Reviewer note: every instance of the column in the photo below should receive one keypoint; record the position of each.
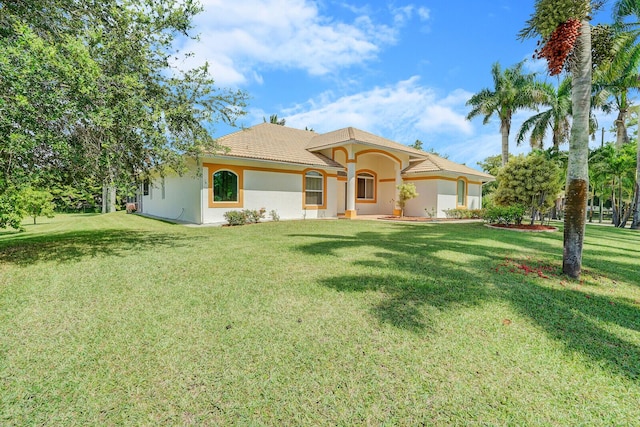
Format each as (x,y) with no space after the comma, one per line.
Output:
(398,172)
(351,188)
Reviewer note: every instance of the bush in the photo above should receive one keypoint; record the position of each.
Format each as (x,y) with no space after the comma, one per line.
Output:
(274,215)
(235,217)
(505,214)
(245,216)
(464,213)
(253,216)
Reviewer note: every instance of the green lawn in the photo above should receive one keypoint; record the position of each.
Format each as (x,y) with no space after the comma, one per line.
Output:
(122,320)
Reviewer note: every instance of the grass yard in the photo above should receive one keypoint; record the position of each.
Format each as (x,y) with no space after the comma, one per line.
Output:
(122,320)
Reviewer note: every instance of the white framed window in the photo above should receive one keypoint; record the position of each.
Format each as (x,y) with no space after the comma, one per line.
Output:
(225,186)
(313,188)
(366,186)
(462,192)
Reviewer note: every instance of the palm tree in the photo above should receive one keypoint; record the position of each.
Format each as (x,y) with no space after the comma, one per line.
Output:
(555,119)
(623,10)
(614,80)
(273,119)
(557,25)
(513,90)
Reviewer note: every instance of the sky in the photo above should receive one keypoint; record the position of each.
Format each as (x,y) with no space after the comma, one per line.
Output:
(400,69)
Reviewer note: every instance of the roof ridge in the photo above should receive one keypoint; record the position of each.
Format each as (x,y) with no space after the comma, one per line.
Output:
(431,156)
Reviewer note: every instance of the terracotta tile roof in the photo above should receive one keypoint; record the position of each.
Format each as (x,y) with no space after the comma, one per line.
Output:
(435,163)
(354,135)
(268,141)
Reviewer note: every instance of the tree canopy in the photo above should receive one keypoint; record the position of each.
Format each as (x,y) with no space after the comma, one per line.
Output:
(92,90)
(532,181)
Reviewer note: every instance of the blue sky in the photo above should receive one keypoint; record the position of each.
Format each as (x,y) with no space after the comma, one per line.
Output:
(398,69)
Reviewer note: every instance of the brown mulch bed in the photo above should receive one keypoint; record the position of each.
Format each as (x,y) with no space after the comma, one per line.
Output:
(524,227)
(424,219)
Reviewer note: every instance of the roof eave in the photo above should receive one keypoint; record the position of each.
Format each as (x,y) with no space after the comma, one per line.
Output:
(477,176)
(279,162)
(369,144)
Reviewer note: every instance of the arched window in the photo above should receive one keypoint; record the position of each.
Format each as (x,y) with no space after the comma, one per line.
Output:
(225,186)
(313,191)
(462,192)
(366,186)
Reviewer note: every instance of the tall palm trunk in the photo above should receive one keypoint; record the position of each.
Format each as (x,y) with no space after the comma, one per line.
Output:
(578,170)
(635,221)
(615,211)
(505,128)
(622,136)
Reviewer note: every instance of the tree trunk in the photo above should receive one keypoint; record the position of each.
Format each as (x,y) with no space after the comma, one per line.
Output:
(622,137)
(104,197)
(635,221)
(615,213)
(591,196)
(577,188)
(601,204)
(112,198)
(505,127)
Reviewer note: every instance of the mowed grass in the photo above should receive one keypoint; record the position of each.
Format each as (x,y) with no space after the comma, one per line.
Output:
(122,320)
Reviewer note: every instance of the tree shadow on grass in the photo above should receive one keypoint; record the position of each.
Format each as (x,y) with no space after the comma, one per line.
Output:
(412,268)
(72,246)
(575,318)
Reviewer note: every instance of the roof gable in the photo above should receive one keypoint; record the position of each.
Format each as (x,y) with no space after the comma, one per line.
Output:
(272,142)
(434,163)
(353,135)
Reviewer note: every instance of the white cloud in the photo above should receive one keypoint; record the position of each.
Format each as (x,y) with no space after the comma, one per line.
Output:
(402,14)
(403,112)
(240,39)
(423,13)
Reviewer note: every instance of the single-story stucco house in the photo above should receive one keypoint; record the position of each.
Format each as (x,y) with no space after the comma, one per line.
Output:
(303,174)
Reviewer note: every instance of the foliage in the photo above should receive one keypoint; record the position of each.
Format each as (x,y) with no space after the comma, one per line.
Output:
(512,214)
(462,213)
(92,90)
(44,91)
(406,192)
(554,119)
(253,216)
(532,181)
(417,145)
(37,203)
(602,44)
(431,213)
(512,90)
(245,216)
(273,214)
(11,209)
(491,165)
(273,119)
(615,170)
(235,217)
(549,14)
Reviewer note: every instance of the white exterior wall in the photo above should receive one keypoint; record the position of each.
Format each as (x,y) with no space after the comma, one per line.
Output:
(447,196)
(272,190)
(474,198)
(180,200)
(427,198)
